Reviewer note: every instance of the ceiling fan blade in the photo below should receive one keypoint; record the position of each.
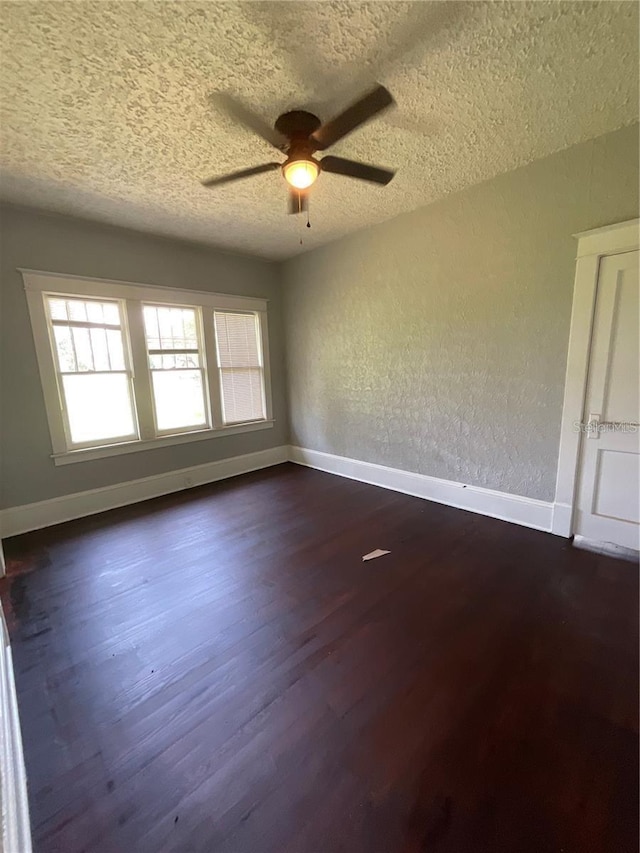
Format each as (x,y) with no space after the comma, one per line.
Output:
(242,173)
(298,201)
(243,115)
(351,169)
(366,108)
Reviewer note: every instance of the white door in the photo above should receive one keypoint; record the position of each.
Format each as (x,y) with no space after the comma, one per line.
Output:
(608,500)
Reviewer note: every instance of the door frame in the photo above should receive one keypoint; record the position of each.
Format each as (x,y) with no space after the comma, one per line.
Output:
(592,246)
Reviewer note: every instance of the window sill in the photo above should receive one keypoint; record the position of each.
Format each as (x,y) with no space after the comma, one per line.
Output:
(86,454)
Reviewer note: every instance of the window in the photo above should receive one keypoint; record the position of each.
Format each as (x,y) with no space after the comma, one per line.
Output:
(240,366)
(93,372)
(177,367)
(127,367)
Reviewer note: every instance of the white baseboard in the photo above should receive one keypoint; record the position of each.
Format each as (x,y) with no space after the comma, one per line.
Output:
(20,519)
(16,830)
(528,512)
(519,510)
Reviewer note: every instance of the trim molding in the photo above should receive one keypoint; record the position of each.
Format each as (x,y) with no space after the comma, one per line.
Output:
(20,519)
(16,829)
(69,457)
(56,282)
(610,239)
(562,523)
(514,508)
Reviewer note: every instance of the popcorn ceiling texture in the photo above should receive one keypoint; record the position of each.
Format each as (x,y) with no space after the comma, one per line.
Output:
(105,109)
(437,343)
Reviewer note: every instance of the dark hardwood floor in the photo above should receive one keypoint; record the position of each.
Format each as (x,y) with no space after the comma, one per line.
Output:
(218,671)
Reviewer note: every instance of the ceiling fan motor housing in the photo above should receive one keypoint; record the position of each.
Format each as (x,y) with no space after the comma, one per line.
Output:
(297,125)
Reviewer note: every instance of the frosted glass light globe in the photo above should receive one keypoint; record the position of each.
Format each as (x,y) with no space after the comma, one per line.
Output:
(300,173)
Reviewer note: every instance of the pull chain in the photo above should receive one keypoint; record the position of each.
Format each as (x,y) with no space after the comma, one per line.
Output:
(299,217)
(300,225)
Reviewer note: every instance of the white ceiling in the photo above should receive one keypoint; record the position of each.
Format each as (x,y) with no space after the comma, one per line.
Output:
(106,109)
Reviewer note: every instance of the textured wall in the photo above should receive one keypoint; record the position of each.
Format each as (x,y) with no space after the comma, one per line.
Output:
(60,244)
(437,342)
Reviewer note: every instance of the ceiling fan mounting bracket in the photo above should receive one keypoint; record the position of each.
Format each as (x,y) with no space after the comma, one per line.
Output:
(297,124)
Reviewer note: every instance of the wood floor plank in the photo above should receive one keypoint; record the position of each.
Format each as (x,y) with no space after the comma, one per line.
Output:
(218,671)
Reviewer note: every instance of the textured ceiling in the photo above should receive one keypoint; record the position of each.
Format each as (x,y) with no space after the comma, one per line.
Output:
(106,109)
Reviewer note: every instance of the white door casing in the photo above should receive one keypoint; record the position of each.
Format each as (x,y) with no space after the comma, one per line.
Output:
(608,494)
(594,247)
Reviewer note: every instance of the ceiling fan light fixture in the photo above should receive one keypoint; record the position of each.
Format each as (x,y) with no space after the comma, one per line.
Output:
(301,173)
(299,134)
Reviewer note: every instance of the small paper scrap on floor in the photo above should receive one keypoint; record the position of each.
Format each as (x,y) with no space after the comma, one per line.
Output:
(373,554)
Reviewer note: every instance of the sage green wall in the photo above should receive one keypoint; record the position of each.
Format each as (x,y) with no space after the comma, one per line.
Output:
(61,244)
(437,342)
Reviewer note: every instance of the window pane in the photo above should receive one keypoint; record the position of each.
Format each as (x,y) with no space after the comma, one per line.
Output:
(177,325)
(111,313)
(162,362)
(116,353)
(151,327)
(187,360)
(242,398)
(82,344)
(64,346)
(77,310)
(84,348)
(179,399)
(58,309)
(164,321)
(98,406)
(94,312)
(190,331)
(100,349)
(84,310)
(170,328)
(174,362)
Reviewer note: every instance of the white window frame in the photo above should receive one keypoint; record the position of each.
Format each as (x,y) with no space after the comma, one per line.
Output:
(133,296)
(59,374)
(204,369)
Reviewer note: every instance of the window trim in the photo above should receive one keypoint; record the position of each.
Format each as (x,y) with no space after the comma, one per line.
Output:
(38,284)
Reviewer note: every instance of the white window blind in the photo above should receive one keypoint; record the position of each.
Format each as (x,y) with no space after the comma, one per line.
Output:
(177,366)
(240,365)
(93,371)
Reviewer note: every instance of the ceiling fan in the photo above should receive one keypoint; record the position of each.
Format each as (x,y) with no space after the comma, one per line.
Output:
(299,135)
